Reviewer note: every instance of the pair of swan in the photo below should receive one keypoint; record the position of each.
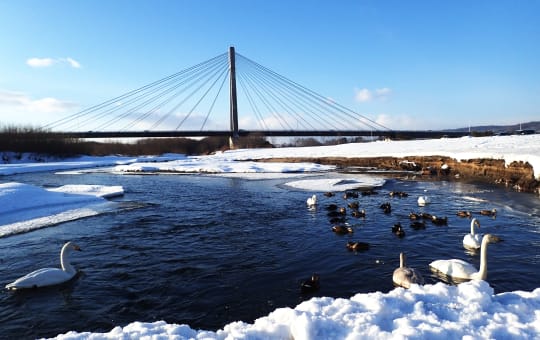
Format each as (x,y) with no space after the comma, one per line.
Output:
(461,270)
(49,276)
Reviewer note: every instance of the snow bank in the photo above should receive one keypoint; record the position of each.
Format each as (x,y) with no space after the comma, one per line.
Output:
(26,207)
(469,311)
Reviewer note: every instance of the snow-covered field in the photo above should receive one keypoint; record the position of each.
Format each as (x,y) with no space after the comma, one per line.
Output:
(470,310)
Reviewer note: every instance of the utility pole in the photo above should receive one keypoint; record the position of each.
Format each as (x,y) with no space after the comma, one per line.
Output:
(233,100)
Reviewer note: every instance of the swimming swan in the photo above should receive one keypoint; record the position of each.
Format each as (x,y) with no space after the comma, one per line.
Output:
(423,200)
(405,276)
(472,240)
(49,276)
(312,201)
(461,270)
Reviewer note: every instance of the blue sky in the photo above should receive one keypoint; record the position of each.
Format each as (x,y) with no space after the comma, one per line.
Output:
(404,64)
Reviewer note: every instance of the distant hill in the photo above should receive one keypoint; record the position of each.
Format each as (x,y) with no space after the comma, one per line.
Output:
(502,128)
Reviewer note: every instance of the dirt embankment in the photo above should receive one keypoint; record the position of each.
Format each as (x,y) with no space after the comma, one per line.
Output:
(517,175)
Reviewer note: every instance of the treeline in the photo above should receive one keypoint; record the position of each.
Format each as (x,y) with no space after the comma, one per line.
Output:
(35,140)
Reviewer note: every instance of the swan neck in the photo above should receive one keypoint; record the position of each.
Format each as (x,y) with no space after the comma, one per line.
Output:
(401,260)
(64,260)
(482,272)
(473,222)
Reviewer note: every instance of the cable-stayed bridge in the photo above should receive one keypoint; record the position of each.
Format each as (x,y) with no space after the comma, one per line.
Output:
(228,95)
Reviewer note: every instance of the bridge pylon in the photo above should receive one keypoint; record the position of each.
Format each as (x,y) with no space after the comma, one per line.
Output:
(233,98)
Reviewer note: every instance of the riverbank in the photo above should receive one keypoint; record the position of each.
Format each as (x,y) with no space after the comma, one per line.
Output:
(517,175)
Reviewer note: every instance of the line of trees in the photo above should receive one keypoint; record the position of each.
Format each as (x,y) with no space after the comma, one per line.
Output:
(36,140)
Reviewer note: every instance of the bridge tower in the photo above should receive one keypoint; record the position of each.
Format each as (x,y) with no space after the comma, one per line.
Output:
(233,100)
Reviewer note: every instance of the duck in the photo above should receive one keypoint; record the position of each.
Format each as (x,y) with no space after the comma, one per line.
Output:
(427,216)
(334,213)
(397,229)
(312,201)
(462,270)
(357,246)
(492,212)
(473,240)
(405,276)
(342,229)
(329,194)
(386,207)
(331,207)
(359,213)
(353,205)
(417,225)
(350,194)
(439,220)
(337,219)
(49,276)
(423,200)
(399,194)
(369,192)
(464,213)
(414,216)
(310,285)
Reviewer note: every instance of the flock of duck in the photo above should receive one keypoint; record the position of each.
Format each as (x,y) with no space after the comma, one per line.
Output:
(454,270)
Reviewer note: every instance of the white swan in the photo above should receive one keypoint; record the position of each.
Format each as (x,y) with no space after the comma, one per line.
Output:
(312,201)
(423,200)
(405,276)
(49,276)
(473,240)
(461,270)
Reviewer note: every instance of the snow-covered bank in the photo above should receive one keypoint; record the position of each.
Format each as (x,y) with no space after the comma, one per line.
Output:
(26,163)
(26,207)
(513,148)
(468,311)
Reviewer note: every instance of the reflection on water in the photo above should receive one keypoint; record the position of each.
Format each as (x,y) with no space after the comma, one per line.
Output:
(206,251)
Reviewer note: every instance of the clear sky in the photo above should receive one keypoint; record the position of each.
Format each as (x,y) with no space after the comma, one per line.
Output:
(405,64)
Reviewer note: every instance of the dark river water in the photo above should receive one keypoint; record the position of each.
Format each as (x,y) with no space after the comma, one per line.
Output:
(206,251)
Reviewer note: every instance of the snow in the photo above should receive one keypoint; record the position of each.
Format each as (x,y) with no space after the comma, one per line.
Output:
(337,184)
(26,207)
(514,148)
(470,310)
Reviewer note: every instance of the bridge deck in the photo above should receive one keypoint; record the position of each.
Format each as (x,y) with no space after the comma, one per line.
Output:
(268,133)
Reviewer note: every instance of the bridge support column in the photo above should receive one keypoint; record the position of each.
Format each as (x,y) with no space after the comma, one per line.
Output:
(233,100)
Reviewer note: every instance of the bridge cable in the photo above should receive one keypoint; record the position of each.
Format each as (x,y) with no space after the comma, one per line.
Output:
(268,105)
(271,91)
(287,100)
(206,74)
(94,108)
(214,101)
(191,81)
(199,101)
(254,107)
(276,84)
(315,95)
(302,97)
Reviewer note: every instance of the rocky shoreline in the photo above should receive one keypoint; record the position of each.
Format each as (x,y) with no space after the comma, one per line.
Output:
(518,176)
